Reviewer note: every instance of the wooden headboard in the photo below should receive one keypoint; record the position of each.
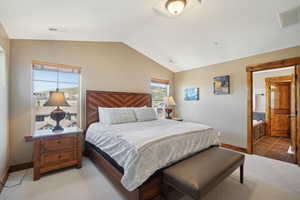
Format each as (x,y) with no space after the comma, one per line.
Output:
(95,99)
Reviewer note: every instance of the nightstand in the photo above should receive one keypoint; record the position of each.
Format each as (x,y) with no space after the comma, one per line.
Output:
(55,150)
(178,119)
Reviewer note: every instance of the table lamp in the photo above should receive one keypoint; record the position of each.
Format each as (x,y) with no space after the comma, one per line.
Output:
(169,103)
(57,98)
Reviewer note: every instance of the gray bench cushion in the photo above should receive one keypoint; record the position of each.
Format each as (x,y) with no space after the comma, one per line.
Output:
(199,174)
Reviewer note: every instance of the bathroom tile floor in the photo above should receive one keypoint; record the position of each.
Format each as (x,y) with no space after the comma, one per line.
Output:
(274,147)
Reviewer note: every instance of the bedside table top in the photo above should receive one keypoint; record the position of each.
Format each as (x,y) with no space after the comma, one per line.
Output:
(177,119)
(49,133)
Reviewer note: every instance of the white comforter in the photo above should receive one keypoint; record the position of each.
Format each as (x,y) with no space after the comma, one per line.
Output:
(142,148)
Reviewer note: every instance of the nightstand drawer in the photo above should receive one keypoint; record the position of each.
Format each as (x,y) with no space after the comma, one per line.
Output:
(57,158)
(57,144)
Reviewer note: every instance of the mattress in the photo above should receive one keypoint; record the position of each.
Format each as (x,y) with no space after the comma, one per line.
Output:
(119,168)
(142,148)
(106,157)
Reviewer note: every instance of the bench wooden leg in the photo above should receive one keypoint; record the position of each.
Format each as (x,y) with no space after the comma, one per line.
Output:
(166,191)
(242,173)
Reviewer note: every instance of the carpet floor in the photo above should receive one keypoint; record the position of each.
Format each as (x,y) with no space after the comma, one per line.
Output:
(264,179)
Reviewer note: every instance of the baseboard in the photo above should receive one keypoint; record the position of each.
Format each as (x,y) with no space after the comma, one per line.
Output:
(11,169)
(20,167)
(4,179)
(235,148)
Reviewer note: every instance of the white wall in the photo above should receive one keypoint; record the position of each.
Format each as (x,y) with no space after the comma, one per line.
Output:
(259,101)
(226,113)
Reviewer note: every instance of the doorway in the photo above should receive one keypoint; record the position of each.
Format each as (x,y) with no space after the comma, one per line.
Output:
(279,118)
(273,121)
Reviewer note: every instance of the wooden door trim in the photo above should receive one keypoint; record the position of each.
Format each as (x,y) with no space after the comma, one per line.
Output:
(278,79)
(268,82)
(265,66)
(250,112)
(298,113)
(273,65)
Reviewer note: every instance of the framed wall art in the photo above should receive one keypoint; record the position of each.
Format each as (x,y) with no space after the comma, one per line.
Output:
(222,85)
(191,94)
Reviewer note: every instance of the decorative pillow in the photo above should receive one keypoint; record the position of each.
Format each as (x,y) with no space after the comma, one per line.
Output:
(116,115)
(145,114)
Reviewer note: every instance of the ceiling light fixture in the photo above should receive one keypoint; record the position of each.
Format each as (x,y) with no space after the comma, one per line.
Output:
(175,7)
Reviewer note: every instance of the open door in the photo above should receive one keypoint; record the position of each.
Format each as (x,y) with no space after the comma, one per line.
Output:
(278,105)
(293,115)
(280,108)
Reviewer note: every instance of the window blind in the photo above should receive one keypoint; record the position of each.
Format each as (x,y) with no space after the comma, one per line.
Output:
(43,66)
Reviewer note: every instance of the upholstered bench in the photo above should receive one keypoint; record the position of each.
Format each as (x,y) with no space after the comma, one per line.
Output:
(197,175)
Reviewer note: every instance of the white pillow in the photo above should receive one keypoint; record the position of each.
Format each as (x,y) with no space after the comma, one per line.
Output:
(116,115)
(145,114)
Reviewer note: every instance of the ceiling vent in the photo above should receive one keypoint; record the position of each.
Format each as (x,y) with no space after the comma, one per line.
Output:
(57,28)
(289,17)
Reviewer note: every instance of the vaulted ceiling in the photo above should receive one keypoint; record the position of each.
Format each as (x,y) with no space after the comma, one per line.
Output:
(212,32)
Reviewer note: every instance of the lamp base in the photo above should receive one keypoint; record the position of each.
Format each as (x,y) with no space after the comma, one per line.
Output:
(57,128)
(168,111)
(57,115)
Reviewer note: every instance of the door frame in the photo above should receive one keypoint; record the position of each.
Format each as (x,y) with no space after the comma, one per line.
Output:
(265,66)
(268,82)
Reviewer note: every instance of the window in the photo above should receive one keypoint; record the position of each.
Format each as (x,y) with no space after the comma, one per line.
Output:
(48,77)
(3,96)
(159,90)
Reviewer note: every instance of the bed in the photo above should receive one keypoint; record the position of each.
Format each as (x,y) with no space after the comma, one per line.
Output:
(132,170)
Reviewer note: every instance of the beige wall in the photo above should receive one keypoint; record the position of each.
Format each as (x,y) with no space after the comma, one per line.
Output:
(226,113)
(105,66)
(259,88)
(116,67)
(4,136)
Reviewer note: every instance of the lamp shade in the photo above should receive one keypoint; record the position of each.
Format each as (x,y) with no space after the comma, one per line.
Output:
(169,101)
(56,98)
